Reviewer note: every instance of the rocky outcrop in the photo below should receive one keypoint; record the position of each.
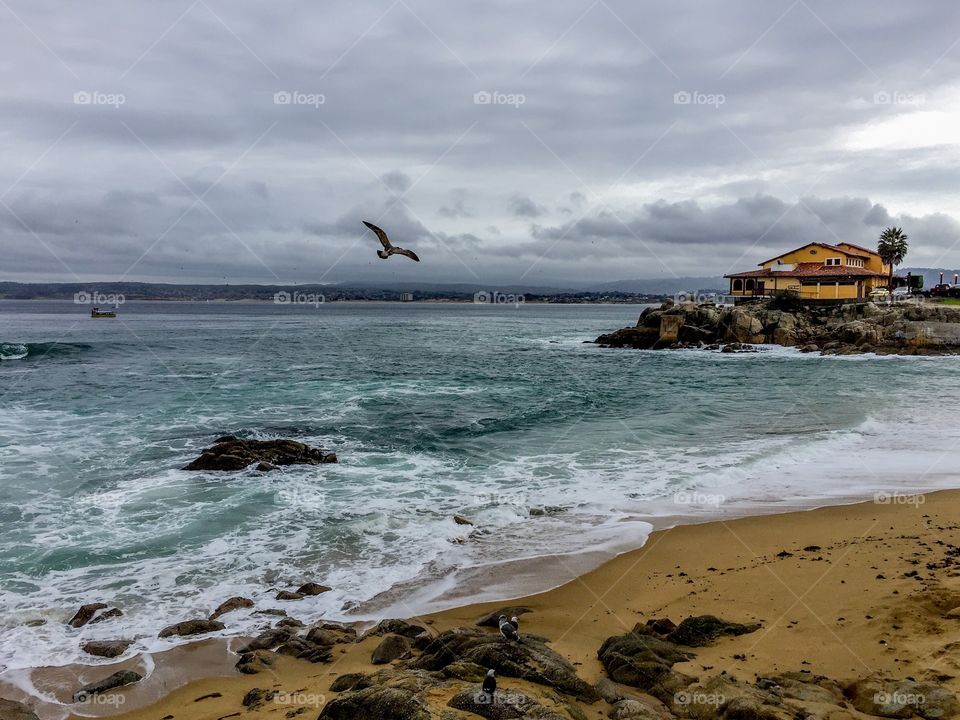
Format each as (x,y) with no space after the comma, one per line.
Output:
(529,660)
(107,648)
(918,328)
(191,627)
(390,648)
(13,710)
(234,603)
(118,679)
(231,453)
(93,613)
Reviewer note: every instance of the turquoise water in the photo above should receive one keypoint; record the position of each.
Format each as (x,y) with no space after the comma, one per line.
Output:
(434,410)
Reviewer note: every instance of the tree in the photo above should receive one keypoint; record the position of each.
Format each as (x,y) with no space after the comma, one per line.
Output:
(892,247)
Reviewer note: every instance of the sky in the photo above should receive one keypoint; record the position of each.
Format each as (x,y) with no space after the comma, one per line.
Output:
(505,141)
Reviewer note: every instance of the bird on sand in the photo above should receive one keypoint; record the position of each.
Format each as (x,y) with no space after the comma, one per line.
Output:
(388,248)
(490,682)
(508,630)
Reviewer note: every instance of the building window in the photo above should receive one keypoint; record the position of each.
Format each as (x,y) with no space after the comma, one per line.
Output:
(832,261)
(751,284)
(854,262)
(738,285)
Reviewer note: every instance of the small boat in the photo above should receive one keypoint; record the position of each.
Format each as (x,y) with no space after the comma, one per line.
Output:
(98,313)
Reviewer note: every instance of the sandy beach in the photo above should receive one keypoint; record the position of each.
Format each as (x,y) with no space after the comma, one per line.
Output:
(841,592)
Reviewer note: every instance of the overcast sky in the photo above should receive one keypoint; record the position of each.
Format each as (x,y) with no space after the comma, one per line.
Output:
(504,141)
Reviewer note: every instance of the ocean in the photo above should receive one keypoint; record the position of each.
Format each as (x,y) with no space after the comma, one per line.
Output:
(435,410)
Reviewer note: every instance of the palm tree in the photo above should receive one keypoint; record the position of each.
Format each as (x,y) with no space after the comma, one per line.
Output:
(892,247)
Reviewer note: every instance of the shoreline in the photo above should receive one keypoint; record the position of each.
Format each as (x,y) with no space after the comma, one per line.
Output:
(577,615)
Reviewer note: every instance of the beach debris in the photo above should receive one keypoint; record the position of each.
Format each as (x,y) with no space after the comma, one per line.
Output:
(13,710)
(234,603)
(531,660)
(388,248)
(118,679)
(390,648)
(92,613)
(312,588)
(107,648)
(508,630)
(191,627)
(208,696)
(231,453)
(493,619)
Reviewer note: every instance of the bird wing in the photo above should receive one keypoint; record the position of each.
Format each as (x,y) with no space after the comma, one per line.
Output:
(381,235)
(409,253)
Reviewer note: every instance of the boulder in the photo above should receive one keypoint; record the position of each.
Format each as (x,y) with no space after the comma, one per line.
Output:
(704,629)
(268,639)
(493,619)
(118,679)
(234,603)
(346,682)
(529,660)
(396,627)
(107,648)
(502,705)
(390,648)
(377,703)
(85,614)
(643,660)
(257,697)
(888,698)
(255,661)
(305,649)
(13,710)
(231,453)
(312,588)
(325,635)
(288,595)
(191,627)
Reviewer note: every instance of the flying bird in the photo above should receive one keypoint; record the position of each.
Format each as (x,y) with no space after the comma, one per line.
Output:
(490,682)
(388,248)
(508,630)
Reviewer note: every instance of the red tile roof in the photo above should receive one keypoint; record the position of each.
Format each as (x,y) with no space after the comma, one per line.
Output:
(811,270)
(829,247)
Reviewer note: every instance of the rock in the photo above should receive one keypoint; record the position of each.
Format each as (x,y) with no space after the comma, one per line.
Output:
(466,671)
(12,710)
(106,615)
(287,595)
(643,660)
(461,520)
(530,660)
(107,648)
(901,698)
(346,682)
(502,705)
(118,679)
(396,627)
(289,622)
(304,649)
(253,662)
(493,619)
(377,703)
(268,639)
(192,627)
(85,614)
(266,467)
(634,708)
(390,648)
(809,688)
(327,636)
(231,453)
(704,629)
(234,603)
(312,588)
(257,697)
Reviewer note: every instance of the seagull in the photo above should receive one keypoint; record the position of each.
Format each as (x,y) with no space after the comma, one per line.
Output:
(508,630)
(389,249)
(515,621)
(490,683)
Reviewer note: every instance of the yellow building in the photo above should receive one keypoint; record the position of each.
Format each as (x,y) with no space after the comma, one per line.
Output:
(815,271)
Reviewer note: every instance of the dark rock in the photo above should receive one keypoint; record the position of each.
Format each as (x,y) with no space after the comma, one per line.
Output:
(266,467)
(704,629)
(12,710)
(255,661)
(107,648)
(466,671)
(901,698)
(345,682)
(230,453)
(643,660)
(234,603)
(461,520)
(509,705)
(289,622)
(529,660)
(811,548)
(287,595)
(268,639)
(257,697)
(85,614)
(377,703)
(493,619)
(111,613)
(118,679)
(662,626)
(312,588)
(304,649)
(396,627)
(390,648)
(192,627)
(325,635)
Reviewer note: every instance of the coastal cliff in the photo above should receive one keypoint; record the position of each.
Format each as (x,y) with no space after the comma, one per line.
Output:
(909,328)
